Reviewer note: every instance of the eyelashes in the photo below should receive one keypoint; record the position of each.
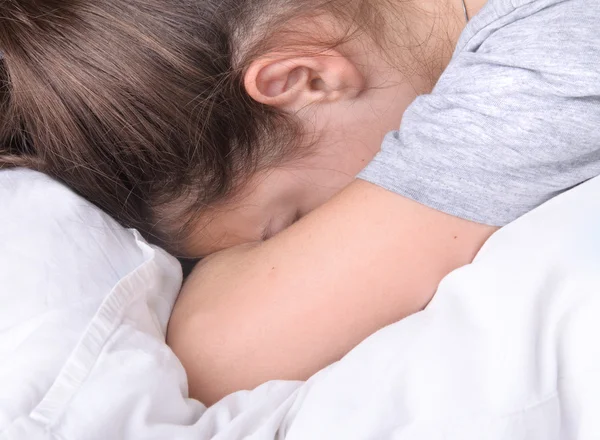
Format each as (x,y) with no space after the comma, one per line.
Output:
(269,230)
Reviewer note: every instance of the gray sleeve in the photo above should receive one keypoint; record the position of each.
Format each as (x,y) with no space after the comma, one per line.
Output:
(513,121)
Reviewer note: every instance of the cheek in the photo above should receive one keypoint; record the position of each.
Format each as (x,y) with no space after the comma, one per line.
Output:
(337,161)
(322,185)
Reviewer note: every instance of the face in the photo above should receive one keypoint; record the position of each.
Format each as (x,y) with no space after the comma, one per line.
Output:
(349,125)
(350,136)
(276,198)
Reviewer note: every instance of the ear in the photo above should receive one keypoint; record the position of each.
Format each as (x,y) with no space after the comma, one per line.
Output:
(291,83)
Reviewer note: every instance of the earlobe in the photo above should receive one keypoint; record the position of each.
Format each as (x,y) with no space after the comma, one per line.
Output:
(291,83)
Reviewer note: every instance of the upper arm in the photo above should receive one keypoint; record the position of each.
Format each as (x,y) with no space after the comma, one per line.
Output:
(290,306)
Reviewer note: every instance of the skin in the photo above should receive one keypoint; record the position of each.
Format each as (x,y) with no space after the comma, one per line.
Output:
(351,111)
(347,99)
(288,306)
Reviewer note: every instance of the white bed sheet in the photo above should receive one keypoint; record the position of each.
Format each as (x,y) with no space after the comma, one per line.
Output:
(506,350)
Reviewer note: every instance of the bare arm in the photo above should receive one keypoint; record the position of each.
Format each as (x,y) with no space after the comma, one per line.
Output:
(290,306)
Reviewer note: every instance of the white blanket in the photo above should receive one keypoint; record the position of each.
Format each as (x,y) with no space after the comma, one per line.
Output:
(506,350)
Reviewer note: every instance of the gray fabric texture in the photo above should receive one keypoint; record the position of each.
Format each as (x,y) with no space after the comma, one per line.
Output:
(513,121)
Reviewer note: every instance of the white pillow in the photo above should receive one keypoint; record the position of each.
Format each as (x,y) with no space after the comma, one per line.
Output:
(59,259)
(84,305)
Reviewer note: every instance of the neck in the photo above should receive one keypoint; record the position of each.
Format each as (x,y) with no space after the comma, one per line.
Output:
(429,40)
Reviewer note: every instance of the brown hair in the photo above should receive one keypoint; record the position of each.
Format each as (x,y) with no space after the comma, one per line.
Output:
(140,104)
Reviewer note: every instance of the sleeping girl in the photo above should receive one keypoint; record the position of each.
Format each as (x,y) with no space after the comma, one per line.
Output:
(235,129)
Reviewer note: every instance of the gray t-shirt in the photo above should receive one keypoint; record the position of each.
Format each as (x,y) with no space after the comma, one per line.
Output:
(513,121)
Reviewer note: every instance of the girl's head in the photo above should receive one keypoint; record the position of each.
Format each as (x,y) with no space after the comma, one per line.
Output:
(208,123)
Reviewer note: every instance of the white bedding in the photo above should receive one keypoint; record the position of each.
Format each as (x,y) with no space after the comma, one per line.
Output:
(506,350)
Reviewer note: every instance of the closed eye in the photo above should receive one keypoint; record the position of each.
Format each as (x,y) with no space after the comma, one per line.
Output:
(269,230)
